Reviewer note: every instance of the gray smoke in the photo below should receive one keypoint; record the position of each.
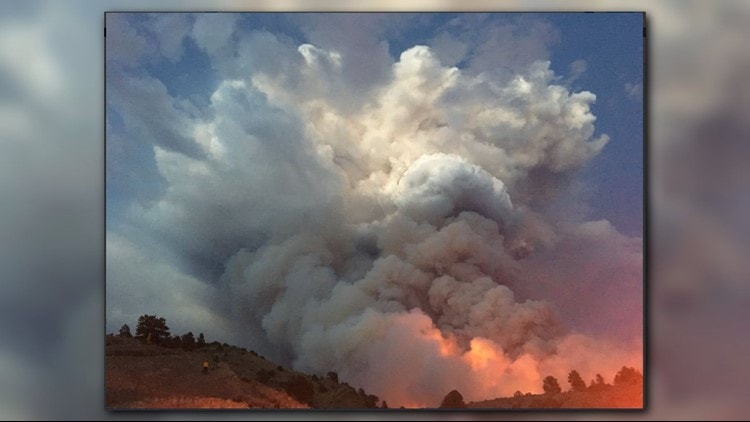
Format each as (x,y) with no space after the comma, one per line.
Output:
(387,227)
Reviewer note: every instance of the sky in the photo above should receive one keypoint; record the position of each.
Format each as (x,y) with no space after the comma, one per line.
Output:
(323,187)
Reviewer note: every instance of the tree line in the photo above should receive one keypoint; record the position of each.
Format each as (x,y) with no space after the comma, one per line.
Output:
(154,330)
(626,376)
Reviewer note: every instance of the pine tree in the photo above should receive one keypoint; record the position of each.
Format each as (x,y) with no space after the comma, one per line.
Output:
(151,328)
(576,382)
(550,385)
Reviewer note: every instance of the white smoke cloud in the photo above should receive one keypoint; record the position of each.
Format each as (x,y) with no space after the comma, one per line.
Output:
(381,236)
(438,186)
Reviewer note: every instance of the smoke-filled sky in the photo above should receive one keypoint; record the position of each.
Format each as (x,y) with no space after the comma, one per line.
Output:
(419,202)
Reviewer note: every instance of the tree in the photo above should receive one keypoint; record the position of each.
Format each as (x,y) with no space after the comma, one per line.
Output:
(518,393)
(371,401)
(188,341)
(125,331)
(384,405)
(201,340)
(628,376)
(333,376)
(550,385)
(151,327)
(598,384)
(453,400)
(576,382)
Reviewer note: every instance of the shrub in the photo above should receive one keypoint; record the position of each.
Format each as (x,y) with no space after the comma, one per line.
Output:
(300,388)
(264,375)
(125,331)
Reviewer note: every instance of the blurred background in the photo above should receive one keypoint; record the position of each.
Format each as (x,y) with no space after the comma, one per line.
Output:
(52,205)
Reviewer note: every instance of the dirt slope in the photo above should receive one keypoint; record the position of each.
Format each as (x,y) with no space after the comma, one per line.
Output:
(149,376)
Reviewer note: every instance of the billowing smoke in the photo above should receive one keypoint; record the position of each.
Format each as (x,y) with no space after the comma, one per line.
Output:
(403,228)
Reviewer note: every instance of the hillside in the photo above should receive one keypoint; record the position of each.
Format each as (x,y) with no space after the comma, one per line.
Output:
(623,397)
(149,376)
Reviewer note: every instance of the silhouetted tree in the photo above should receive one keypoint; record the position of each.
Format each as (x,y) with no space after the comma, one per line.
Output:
(151,327)
(371,401)
(188,341)
(125,331)
(453,400)
(628,376)
(384,405)
(597,384)
(333,376)
(576,382)
(550,385)
(518,393)
(201,340)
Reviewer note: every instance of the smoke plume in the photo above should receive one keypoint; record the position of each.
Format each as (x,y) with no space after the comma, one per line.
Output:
(402,228)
